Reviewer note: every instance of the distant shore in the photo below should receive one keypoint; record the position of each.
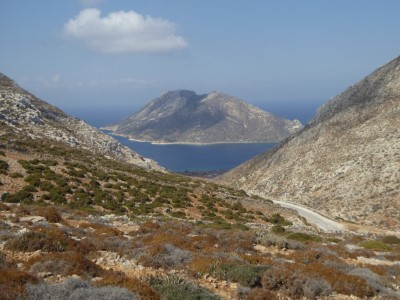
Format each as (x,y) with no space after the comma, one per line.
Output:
(189,143)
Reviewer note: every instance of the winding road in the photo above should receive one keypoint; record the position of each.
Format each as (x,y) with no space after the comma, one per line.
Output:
(314,218)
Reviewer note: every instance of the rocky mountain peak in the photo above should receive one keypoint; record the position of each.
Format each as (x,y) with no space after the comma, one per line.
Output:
(377,87)
(183,116)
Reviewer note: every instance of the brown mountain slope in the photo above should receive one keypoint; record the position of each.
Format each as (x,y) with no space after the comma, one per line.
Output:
(26,115)
(345,163)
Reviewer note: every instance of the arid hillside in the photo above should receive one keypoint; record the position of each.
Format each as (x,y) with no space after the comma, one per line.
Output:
(345,163)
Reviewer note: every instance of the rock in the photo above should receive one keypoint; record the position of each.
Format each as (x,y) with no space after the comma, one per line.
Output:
(233,285)
(44,274)
(96,279)
(37,253)
(33,219)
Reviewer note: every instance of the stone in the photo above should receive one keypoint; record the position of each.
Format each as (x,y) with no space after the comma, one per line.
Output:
(44,274)
(33,219)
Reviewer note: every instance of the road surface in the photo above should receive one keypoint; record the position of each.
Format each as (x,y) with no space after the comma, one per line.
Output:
(314,218)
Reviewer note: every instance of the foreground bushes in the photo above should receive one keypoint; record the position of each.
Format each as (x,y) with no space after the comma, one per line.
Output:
(77,289)
(172,287)
(12,283)
(49,240)
(66,264)
(244,274)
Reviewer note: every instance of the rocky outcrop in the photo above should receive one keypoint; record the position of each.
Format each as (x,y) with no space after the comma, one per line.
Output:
(185,117)
(345,163)
(27,115)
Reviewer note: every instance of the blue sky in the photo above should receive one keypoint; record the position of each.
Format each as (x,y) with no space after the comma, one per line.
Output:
(284,55)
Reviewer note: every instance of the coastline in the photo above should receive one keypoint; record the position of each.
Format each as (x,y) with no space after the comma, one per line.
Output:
(190,143)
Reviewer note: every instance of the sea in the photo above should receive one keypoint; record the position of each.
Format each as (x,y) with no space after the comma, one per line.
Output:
(197,158)
(186,157)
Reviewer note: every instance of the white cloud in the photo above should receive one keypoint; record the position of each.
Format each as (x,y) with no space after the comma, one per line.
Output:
(123,31)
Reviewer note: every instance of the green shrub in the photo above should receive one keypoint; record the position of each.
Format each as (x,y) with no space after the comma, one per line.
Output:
(4,166)
(278,229)
(16,175)
(391,239)
(178,214)
(245,274)
(375,245)
(172,287)
(18,197)
(304,237)
(279,220)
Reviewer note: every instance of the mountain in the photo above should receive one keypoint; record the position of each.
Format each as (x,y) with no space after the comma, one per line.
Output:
(183,116)
(24,114)
(345,163)
(76,223)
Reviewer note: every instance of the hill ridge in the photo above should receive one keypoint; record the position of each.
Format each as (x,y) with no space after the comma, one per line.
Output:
(183,116)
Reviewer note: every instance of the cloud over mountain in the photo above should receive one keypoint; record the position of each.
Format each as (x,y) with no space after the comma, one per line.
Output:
(123,32)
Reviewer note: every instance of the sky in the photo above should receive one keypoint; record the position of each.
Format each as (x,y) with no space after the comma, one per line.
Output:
(110,57)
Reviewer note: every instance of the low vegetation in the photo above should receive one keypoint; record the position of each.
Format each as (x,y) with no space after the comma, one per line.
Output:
(77,226)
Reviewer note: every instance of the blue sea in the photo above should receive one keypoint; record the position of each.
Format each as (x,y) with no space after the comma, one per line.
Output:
(192,158)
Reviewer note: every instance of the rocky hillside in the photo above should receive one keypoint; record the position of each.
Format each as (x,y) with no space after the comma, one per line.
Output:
(345,163)
(23,113)
(183,116)
(78,226)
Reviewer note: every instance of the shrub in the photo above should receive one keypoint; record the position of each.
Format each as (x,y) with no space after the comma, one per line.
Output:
(270,239)
(143,290)
(292,282)
(261,294)
(278,229)
(101,229)
(304,237)
(77,289)
(66,264)
(49,240)
(18,197)
(202,265)
(375,245)
(50,213)
(166,256)
(172,287)
(4,166)
(391,239)
(12,283)
(279,220)
(4,207)
(370,277)
(245,274)
(32,241)
(16,175)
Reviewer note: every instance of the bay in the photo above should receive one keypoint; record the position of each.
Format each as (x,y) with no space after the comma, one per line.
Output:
(195,158)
